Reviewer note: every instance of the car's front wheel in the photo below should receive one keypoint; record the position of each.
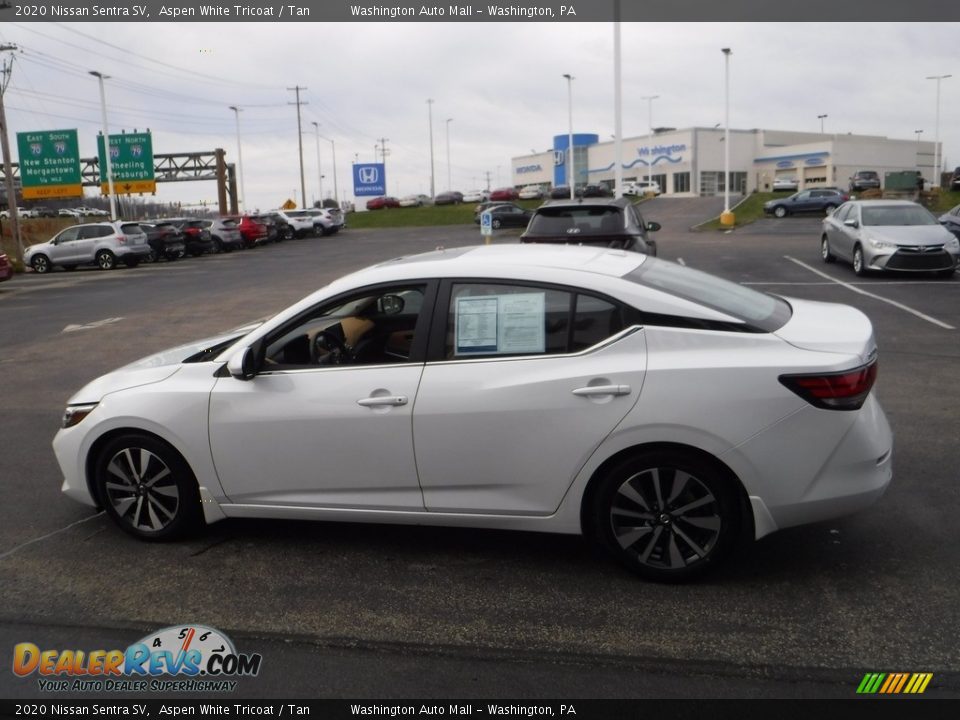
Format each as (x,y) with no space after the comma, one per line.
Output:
(780,211)
(859,267)
(147,488)
(825,254)
(666,516)
(41,264)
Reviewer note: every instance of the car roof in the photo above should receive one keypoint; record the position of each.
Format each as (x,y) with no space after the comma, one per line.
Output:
(563,202)
(501,260)
(888,203)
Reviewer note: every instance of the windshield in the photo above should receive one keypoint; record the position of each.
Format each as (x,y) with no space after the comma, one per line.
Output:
(760,312)
(897,215)
(575,220)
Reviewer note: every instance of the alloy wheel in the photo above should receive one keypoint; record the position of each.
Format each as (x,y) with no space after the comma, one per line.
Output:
(141,489)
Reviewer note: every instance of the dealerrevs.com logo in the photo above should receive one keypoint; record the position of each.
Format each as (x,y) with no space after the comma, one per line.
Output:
(204,656)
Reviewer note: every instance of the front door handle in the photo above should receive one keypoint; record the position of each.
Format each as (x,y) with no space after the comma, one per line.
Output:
(388,400)
(594,390)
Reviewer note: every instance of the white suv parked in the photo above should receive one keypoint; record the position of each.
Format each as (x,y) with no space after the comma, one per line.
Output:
(300,220)
(103,243)
(641,187)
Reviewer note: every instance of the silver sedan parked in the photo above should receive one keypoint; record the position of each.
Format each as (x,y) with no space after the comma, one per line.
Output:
(888,235)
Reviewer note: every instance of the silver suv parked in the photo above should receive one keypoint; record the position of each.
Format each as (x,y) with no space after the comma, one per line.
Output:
(103,243)
(302,221)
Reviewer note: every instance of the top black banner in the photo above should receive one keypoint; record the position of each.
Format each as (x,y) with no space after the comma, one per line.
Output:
(808,11)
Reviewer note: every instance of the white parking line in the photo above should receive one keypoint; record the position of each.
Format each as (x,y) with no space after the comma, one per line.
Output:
(922,316)
(21,546)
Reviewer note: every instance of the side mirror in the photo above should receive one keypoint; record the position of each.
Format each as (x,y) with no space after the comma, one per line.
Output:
(653,226)
(851,223)
(242,365)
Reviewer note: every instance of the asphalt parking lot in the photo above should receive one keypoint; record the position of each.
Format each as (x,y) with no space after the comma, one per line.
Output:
(406,612)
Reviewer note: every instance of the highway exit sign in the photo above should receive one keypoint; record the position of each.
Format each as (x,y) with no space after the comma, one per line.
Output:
(131,162)
(49,164)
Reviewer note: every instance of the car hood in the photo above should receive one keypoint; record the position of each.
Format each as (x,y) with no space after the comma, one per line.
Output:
(910,234)
(154,368)
(829,327)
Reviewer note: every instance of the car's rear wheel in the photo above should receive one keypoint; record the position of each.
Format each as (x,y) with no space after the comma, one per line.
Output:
(496,223)
(106,260)
(147,488)
(825,254)
(40,264)
(859,267)
(218,245)
(780,211)
(666,516)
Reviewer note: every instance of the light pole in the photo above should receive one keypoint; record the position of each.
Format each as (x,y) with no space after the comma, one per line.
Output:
(918,132)
(650,99)
(316,127)
(571,179)
(430,116)
(821,118)
(617,106)
(243,190)
(449,181)
(106,144)
(936,133)
(726,218)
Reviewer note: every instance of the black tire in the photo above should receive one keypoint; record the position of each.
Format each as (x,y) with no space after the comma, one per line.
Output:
(495,223)
(141,503)
(859,266)
(288,233)
(153,257)
(666,516)
(218,246)
(780,211)
(106,260)
(41,264)
(825,254)
(131,262)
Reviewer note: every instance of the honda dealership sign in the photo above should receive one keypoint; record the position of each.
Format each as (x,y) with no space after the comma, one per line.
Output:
(369,179)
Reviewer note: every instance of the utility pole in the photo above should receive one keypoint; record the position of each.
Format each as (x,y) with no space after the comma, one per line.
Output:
(487,173)
(430,117)
(7,165)
(316,127)
(303,182)
(382,146)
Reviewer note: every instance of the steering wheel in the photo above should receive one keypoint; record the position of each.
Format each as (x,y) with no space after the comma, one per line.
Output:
(328,349)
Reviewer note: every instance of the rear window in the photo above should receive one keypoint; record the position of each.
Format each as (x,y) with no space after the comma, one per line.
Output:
(228,223)
(129,229)
(573,221)
(758,311)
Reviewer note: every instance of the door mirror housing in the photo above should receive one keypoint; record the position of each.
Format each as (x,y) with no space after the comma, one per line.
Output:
(243,364)
(851,223)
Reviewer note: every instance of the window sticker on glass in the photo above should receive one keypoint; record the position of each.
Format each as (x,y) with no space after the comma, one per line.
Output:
(500,324)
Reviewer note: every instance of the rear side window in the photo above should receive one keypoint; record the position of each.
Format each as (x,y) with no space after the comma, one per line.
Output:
(487,319)
(128,229)
(575,220)
(757,311)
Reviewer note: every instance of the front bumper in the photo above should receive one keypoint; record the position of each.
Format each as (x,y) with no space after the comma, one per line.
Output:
(913,261)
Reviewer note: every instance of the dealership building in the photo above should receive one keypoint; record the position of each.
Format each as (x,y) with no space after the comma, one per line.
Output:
(691,161)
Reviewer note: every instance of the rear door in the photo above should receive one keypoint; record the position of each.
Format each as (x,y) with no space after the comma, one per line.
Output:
(525,381)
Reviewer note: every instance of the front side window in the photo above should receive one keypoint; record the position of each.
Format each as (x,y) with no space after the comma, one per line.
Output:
(69,235)
(374,327)
(489,320)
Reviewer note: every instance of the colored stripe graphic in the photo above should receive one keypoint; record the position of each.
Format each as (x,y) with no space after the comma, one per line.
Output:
(894,683)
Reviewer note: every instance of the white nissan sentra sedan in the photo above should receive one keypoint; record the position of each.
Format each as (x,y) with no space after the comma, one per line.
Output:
(660,411)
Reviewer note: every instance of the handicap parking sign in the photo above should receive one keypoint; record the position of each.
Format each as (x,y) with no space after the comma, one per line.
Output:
(486,223)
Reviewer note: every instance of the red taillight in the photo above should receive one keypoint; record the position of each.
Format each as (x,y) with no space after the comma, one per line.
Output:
(845,390)
(122,239)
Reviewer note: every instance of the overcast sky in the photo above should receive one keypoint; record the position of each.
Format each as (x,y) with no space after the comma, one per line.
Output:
(500,82)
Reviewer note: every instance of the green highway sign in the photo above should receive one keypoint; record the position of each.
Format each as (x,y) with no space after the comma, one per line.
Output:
(131,162)
(50,164)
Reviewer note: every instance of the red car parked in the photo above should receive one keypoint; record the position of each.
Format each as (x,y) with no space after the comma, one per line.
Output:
(506,193)
(382,203)
(251,231)
(6,269)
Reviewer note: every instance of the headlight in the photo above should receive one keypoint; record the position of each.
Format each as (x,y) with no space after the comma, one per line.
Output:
(75,413)
(953,244)
(881,244)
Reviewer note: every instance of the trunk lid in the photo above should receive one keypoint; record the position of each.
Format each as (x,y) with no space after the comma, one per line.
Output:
(829,327)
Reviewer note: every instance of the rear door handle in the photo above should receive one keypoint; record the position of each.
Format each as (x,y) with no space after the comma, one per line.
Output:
(594,390)
(389,400)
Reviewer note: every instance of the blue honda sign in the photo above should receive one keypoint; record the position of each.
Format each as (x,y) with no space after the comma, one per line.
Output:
(369,179)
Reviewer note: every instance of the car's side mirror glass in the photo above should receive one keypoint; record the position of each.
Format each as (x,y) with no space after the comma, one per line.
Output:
(391,305)
(653,226)
(851,223)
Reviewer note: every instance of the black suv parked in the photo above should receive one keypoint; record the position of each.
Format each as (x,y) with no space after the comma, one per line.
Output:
(598,222)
